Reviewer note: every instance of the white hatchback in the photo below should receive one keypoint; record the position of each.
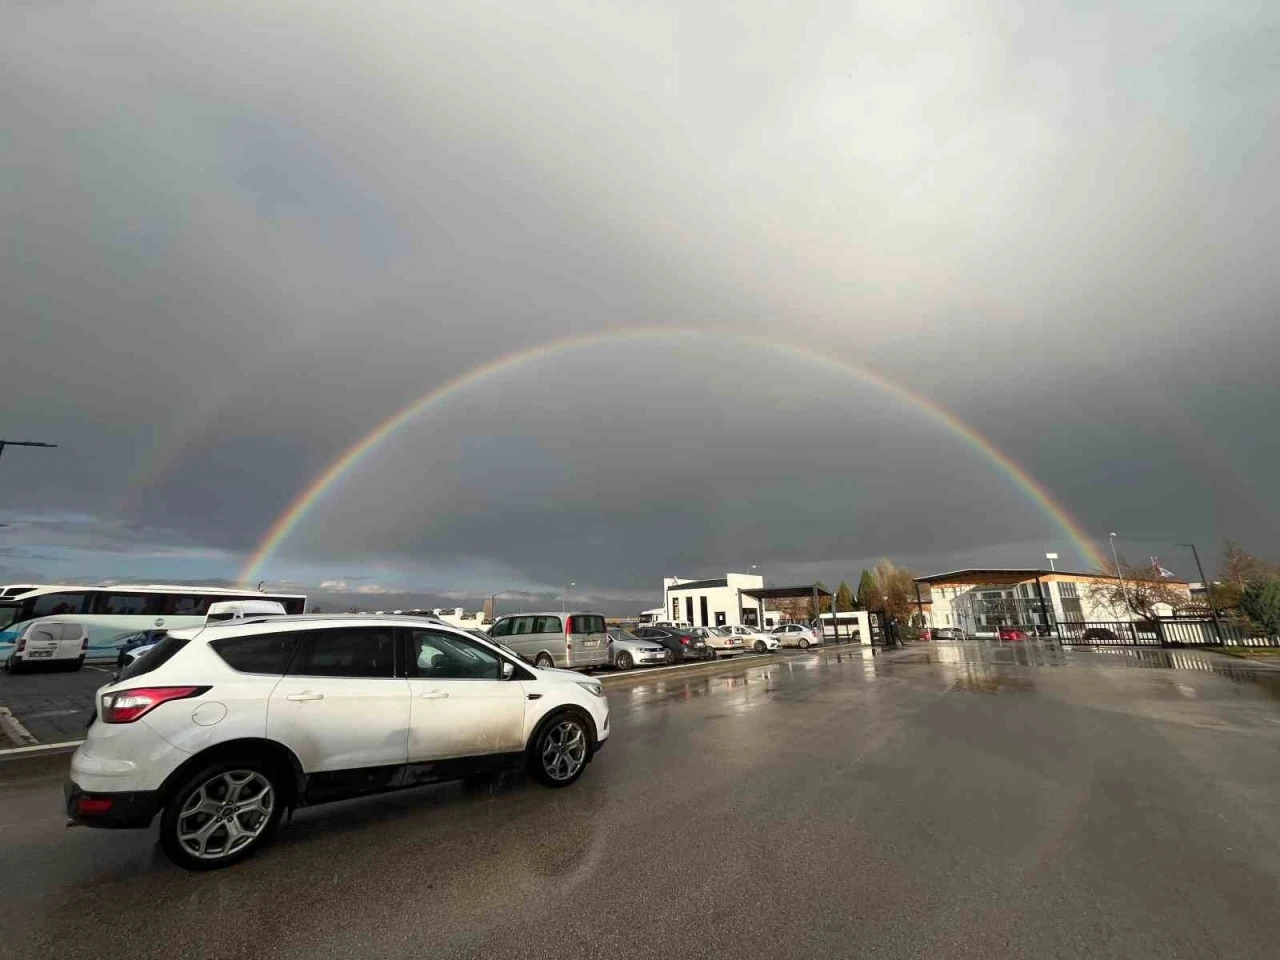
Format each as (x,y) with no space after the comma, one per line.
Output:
(53,640)
(796,635)
(220,729)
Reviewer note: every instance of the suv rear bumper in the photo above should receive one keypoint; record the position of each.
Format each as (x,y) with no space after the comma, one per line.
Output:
(133,810)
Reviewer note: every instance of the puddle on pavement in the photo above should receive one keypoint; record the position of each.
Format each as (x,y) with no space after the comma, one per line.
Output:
(1258,678)
(993,683)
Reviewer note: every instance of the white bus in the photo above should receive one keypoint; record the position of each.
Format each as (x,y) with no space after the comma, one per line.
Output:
(855,626)
(111,613)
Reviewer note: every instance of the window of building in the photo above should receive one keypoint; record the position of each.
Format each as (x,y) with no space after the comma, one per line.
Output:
(702,608)
(1068,590)
(1072,612)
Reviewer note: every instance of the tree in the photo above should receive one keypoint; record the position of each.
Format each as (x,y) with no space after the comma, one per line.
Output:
(1260,601)
(844,598)
(1128,589)
(824,603)
(896,586)
(868,592)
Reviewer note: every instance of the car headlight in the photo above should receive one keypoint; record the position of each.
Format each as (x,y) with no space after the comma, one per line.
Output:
(592,687)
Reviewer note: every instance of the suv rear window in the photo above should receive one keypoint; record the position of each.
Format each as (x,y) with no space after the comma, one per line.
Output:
(587,623)
(268,653)
(160,654)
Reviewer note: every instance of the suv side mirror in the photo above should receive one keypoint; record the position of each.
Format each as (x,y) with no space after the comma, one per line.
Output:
(508,669)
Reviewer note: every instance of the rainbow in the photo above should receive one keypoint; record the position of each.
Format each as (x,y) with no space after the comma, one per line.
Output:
(289,519)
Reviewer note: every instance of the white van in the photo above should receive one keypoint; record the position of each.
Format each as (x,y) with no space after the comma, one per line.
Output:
(51,640)
(575,639)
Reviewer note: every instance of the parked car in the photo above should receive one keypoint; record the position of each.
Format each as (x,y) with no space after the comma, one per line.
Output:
(679,644)
(54,641)
(1098,635)
(575,639)
(220,729)
(720,640)
(626,650)
(754,640)
(132,642)
(948,633)
(796,635)
(1012,633)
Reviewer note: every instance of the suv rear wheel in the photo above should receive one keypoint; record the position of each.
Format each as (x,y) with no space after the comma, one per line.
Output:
(544,662)
(222,814)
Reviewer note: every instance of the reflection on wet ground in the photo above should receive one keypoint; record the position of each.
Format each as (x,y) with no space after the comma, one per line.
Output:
(993,683)
(1048,654)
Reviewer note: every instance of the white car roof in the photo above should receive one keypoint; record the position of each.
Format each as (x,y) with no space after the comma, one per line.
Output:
(319,621)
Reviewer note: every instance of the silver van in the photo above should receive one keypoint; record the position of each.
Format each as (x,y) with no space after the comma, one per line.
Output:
(574,639)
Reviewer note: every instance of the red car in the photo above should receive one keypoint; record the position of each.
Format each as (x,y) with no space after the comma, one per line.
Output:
(1012,633)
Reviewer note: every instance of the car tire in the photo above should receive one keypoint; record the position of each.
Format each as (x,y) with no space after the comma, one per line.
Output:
(669,659)
(543,662)
(560,750)
(13,666)
(623,661)
(804,643)
(183,834)
(759,647)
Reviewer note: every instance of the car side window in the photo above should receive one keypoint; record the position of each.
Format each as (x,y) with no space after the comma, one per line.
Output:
(547,625)
(501,629)
(438,655)
(345,652)
(267,653)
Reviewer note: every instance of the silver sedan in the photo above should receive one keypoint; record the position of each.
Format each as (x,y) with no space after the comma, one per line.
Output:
(627,651)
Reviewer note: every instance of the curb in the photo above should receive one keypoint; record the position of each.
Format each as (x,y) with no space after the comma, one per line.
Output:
(12,730)
(38,759)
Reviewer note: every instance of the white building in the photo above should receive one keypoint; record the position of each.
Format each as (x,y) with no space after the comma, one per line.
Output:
(716,603)
(980,601)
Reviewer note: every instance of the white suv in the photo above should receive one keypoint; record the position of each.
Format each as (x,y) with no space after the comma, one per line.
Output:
(221,728)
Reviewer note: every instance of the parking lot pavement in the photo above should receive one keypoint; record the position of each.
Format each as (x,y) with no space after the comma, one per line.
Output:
(53,704)
(943,801)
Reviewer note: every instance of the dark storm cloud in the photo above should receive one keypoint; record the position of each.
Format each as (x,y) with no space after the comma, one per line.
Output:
(235,239)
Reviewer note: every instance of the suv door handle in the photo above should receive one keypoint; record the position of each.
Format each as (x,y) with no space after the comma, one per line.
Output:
(435,695)
(305,696)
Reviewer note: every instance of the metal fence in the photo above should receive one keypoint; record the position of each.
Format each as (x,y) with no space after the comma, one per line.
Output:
(1161,632)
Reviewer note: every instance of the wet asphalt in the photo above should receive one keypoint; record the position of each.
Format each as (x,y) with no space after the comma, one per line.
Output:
(942,801)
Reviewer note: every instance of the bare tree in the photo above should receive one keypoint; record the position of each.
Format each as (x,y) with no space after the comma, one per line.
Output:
(1129,589)
(897,590)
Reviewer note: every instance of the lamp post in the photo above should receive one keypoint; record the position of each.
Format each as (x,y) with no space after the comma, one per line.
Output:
(1051,557)
(564,596)
(1124,591)
(1208,589)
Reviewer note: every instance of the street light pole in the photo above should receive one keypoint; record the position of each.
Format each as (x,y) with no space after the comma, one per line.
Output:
(1208,589)
(1124,592)
(564,596)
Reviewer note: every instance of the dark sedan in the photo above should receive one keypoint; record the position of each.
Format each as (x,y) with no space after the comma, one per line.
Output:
(679,644)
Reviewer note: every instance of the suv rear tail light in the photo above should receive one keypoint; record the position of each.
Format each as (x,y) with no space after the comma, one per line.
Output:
(127,706)
(22,643)
(684,641)
(568,625)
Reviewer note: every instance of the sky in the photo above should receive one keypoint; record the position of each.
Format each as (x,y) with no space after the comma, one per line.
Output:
(237,237)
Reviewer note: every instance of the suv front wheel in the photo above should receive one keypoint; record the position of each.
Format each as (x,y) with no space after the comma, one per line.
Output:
(560,751)
(222,814)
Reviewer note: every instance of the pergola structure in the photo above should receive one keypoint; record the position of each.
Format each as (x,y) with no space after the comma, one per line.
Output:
(809,591)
